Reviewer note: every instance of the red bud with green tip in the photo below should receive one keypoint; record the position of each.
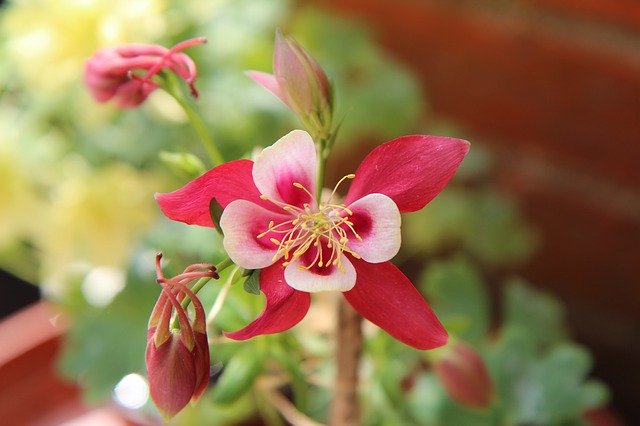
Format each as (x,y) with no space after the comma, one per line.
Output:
(464,376)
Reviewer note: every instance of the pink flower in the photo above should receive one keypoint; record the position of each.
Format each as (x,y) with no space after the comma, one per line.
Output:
(177,359)
(464,376)
(299,82)
(110,73)
(272,222)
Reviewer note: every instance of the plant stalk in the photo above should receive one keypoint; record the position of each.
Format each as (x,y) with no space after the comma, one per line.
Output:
(345,407)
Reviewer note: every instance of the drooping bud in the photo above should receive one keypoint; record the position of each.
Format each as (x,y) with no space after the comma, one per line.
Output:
(111,73)
(299,81)
(464,376)
(177,358)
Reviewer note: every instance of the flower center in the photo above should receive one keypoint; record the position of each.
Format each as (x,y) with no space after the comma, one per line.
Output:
(325,229)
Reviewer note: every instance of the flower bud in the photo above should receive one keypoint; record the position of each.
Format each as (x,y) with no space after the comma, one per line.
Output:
(464,376)
(299,81)
(177,358)
(111,73)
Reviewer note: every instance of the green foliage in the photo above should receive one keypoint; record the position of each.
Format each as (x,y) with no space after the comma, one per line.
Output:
(238,376)
(105,344)
(539,314)
(457,295)
(482,222)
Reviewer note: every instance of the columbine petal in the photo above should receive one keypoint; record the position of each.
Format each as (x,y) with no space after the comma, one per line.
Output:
(411,170)
(384,296)
(285,306)
(320,278)
(242,223)
(269,82)
(292,159)
(226,183)
(377,220)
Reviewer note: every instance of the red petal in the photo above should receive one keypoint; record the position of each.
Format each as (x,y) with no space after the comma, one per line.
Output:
(202,364)
(226,183)
(172,377)
(285,306)
(411,170)
(384,296)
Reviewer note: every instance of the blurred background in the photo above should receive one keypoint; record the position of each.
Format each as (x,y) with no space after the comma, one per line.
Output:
(539,232)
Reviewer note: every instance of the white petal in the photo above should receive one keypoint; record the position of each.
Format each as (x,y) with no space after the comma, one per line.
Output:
(292,159)
(335,279)
(377,220)
(242,222)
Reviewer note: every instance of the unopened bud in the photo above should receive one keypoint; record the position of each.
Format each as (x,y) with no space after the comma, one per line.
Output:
(178,358)
(464,376)
(299,81)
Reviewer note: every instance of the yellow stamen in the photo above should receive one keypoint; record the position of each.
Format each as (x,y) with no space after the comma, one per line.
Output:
(326,225)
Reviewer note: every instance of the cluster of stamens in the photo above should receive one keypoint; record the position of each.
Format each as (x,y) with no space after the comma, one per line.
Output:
(327,225)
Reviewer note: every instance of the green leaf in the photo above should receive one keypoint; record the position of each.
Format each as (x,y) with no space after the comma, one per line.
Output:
(252,283)
(183,164)
(238,376)
(458,297)
(538,314)
(215,210)
(105,344)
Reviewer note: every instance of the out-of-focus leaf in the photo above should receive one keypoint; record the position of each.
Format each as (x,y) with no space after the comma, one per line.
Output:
(560,380)
(184,164)
(113,338)
(510,362)
(429,405)
(497,234)
(484,223)
(458,297)
(538,314)
(286,351)
(238,376)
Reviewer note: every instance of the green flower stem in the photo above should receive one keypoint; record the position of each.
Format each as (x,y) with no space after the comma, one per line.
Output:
(202,281)
(322,162)
(197,287)
(172,87)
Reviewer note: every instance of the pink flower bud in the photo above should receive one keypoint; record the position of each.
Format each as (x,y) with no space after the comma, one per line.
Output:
(111,73)
(464,376)
(177,358)
(299,81)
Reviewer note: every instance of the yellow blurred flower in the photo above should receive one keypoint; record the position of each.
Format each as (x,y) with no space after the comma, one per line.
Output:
(19,206)
(94,219)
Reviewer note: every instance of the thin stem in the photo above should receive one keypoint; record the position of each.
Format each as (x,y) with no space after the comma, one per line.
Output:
(322,161)
(202,281)
(194,118)
(345,408)
(217,305)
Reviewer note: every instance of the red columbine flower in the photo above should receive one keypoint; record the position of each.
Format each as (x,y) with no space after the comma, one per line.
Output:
(272,222)
(299,82)
(464,376)
(177,359)
(110,73)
